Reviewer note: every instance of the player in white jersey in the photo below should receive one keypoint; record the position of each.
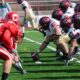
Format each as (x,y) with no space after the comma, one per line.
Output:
(70,10)
(71,35)
(53,33)
(29,15)
(63,5)
(76,24)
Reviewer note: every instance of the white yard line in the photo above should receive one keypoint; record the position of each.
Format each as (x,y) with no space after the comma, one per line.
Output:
(30,40)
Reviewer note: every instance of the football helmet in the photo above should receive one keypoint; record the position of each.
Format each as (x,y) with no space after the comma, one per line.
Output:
(13,16)
(72,5)
(77,8)
(66,23)
(44,22)
(19,1)
(57,14)
(64,5)
(76,20)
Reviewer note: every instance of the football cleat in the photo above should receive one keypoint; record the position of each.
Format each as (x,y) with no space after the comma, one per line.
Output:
(66,62)
(19,68)
(38,62)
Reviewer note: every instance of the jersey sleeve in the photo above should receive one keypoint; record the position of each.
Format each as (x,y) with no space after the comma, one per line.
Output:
(7,40)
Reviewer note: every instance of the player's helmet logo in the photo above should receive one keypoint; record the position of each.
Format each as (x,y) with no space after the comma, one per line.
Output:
(13,16)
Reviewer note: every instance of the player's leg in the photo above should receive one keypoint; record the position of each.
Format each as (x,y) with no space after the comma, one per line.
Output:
(17,64)
(7,57)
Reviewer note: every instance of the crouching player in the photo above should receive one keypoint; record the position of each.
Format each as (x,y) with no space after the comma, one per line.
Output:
(52,31)
(12,16)
(71,28)
(8,33)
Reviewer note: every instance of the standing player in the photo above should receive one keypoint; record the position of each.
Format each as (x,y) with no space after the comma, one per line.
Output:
(29,15)
(72,33)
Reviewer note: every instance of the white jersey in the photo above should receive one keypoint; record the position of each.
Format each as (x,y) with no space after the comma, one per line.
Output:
(74,33)
(70,12)
(25,4)
(30,13)
(52,26)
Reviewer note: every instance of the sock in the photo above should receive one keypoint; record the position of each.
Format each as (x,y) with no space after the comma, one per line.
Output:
(4,76)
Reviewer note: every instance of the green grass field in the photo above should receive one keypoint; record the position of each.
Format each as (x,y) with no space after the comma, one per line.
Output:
(50,69)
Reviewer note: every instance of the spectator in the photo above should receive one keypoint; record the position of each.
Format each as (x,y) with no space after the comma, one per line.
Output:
(4,9)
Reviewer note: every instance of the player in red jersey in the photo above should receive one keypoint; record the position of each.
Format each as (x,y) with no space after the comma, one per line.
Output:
(9,32)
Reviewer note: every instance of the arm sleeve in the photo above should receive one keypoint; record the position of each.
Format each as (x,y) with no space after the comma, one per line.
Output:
(7,40)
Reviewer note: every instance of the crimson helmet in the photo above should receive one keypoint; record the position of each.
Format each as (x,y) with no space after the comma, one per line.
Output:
(77,8)
(64,5)
(57,14)
(13,16)
(66,23)
(76,20)
(44,22)
(19,1)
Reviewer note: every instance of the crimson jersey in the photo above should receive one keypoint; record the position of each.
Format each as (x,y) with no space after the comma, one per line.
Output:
(8,32)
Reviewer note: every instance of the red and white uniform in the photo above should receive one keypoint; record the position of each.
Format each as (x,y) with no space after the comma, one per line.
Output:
(8,32)
(73,33)
(70,11)
(52,26)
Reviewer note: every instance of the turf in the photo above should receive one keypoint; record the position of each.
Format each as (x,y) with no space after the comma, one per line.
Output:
(50,69)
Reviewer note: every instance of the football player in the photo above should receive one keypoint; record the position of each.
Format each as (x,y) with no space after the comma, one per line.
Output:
(71,34)
(51,27)
(29,15)
(63,5)
(8,33)
(17,40)
(70,10)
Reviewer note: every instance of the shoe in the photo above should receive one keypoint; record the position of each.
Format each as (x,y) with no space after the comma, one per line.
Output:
(23,72)
(66,62)
(38,62)
(61,58)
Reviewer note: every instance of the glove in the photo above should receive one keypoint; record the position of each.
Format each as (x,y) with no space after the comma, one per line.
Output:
(14,51)
(35,56)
